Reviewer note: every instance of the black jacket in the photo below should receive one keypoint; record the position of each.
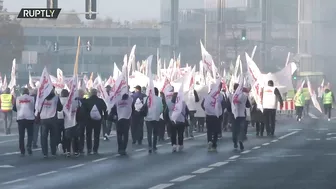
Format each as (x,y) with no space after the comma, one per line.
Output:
(90,102)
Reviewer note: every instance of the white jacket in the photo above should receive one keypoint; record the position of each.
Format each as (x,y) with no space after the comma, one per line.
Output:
(25,107)
(202,91)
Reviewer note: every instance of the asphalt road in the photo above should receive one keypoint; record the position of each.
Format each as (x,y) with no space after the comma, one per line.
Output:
(301,155)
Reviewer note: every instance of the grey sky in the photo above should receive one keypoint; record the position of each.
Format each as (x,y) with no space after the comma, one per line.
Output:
(118,9)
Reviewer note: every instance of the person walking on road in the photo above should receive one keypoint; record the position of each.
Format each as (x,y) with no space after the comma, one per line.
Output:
(6,104)
(299,101)
(48,114)
(155,108)
(25,106)
(213,104)
(328,99)
(137,122)
(123,112)
(270,98)
(37,126)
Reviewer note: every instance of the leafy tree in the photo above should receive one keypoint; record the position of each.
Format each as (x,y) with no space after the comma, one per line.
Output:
(11,41)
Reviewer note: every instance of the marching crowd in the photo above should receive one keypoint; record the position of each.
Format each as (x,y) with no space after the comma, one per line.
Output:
(202,112)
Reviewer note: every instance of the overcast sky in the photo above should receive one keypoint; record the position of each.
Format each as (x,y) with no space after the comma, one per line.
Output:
(117,9)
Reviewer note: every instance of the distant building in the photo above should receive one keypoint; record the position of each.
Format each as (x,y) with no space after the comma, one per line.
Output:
(1,4)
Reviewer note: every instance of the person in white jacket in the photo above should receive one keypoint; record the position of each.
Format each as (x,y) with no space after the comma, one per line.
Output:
(25,106)
(191,100)
(202,91)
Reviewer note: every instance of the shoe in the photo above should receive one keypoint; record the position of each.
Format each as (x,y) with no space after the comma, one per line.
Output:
(235,145)
(241,145)
(209,145)
(299,120)
(150,151)
(174,148)
(180,148)
(328,119)
(45,156)
(30,152)
(68,154)
(60,147)
(76,154)
(95,153)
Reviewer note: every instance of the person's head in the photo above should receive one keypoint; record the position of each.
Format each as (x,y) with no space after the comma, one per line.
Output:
(25,91)
(137,88)
(174,96)
(124,96)
(172,89)
(270,83)
(64,93)
(162,94)
(235,86)
(94,92)
(7,91)
(156,91)
(108,88)
(81,93)
(326,90)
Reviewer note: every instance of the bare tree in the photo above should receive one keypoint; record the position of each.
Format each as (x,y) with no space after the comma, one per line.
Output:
(73,18)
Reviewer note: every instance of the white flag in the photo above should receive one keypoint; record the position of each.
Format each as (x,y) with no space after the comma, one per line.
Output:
(44,89)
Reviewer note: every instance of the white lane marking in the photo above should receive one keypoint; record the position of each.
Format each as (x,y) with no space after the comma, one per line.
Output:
(139,150)
(183,178)
(275,140)
(294,129)
(330,154)
(6,141)
(284,156)
(159,145)
(248,158)
(321,129)
(117,155)
(265,144)
(168,143)
(202,170)
(328,134)
(75,166)
(331,138)
(162,186)
(234,157)
(287,135)
(246,152)
(14,153)
(218,164)
(313,139)
(101,159)
(47,173)
(6,166)
(14,181)
(199,135)
(312,116)
(255,148)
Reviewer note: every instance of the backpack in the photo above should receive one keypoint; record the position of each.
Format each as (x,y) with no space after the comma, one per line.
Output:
(95,114)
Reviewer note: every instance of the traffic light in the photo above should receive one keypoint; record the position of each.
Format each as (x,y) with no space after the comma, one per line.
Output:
(56,47)
(91,6)
(52,4)
(88,46)
(294,75)
(243,34)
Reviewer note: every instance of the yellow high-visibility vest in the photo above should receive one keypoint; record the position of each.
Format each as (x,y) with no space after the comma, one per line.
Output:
(327,98)
(86,96)
(306,93)
(6,102)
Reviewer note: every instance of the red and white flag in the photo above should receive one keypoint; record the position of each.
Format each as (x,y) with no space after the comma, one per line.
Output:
(178,106)
(70,106)
(44,89)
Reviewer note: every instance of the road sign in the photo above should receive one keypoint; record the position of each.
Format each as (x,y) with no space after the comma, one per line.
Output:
(29,57)
(29,67)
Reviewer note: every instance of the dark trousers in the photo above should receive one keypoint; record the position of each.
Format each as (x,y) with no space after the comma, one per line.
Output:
(23,126)
(71,139)
(162,129)
(213,124)
(269,116)
(137,124)
(107,127)
(177,131)
(61,133)
(189,130)
(299,110)
(260,128)
(81,128)
(8,118)
(168,125)
(238,130)
(123,126)
(327,110)
(49,126)
(36,134)
(93,127)
(152,133)
(200,124)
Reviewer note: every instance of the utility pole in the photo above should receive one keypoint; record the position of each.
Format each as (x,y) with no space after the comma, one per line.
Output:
(266,31)
(219,28)
(174,6)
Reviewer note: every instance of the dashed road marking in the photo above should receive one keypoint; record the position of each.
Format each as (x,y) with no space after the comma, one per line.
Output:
(285,156)
(183,178)
(234,157)
(159,145)
(275,140)
(76,166)
(14,181)
(101,159)
(294,129)
(162,186)
(6,141)
(202,170)
(248,158)
(6,166)
(218,164)
(255,148)
(265,144)
(313,139)
(47,173)
(321,129)
(246,152)
(330,154)
(331,138)
(312,116)
(139,150)
(287,135)
(328,134)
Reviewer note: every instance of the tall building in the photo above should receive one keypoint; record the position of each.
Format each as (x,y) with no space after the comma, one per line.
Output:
(1,4)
